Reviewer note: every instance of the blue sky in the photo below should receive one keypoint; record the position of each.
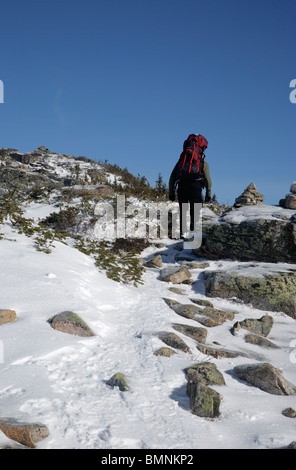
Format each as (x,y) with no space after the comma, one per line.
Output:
(128,80)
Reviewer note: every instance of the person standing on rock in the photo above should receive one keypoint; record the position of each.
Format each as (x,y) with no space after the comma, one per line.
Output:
(189,177)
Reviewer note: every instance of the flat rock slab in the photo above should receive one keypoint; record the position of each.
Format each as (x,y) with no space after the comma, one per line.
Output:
(173,340)
(259,341)
(216,352)
(71,323)
(195,332)
(266,377)
(7,316)
(24,433)
(270,287)
(207,316)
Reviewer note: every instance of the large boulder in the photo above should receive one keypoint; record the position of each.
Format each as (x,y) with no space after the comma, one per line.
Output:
(259,232)
(204,401)
(266,377)
(266,286)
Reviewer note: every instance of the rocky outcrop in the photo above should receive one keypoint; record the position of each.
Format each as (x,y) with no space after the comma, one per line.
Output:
(257,233)
(71,323)
(13,178)
(272,290)
(204,401)
(26,434)
(249,197)
(266,377)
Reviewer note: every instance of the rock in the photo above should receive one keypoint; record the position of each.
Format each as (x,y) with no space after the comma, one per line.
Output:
(176,276)
(260,233)
(165,352)
(204,401)
(207,316)
(259,341)
(155,262)
(176,290)
(250,196)
(216,352)
(272,290)
(204,303)
(205,373)
(7,316)
(171,302)
(119,380)
(71,323)
(173,340)
(261,326)
(194,332)
(290,413)
(266,377)
(24,433)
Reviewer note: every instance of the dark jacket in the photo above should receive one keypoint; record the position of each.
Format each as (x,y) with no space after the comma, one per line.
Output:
(173,182)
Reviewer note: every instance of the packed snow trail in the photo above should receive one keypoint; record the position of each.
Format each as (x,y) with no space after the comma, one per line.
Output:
(60,380)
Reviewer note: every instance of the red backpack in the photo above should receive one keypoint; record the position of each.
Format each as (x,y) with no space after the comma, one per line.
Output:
(190,165)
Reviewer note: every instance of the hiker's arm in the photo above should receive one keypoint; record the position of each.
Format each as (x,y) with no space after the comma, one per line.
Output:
(208,182)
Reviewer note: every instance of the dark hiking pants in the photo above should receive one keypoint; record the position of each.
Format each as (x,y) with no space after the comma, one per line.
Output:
(189,192)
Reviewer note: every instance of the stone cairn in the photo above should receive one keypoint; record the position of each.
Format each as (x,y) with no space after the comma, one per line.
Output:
(290,200)
(249,197)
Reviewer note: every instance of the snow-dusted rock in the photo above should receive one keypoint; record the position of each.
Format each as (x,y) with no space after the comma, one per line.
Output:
(262,233)
(266,286)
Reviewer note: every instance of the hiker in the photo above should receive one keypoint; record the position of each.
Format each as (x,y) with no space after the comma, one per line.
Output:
(191,175)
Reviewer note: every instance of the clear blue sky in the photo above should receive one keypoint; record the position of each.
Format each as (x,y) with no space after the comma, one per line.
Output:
(128,80)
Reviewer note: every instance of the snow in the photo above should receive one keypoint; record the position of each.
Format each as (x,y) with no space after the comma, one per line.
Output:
(59,380)
(257,212)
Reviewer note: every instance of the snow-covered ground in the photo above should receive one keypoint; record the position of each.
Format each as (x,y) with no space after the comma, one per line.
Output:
(59,380)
